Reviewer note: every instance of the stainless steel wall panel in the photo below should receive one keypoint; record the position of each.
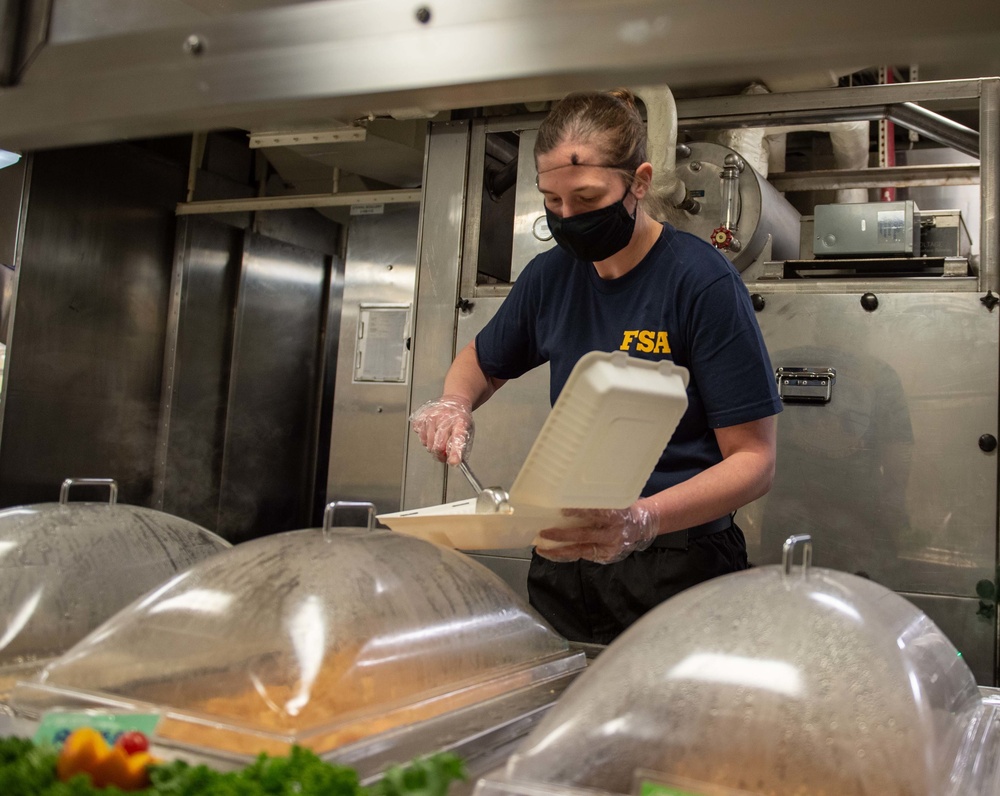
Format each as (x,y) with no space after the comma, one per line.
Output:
(249,374)
(269,462)
(439,258)
(888,477)
(370,418)
(84,357)
(198,359)
(307,228)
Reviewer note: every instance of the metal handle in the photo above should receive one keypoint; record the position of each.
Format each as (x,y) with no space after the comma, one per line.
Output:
(476,484)
(331,510)
(807,384)
(788,552)
(110,482)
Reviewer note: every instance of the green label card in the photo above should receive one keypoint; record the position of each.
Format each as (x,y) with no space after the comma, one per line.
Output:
(655,789)
(55,727)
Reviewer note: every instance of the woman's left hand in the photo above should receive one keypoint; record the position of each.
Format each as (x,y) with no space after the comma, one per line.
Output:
(605,537)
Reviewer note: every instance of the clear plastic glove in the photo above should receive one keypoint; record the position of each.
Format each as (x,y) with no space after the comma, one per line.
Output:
(608,536)
(445,427)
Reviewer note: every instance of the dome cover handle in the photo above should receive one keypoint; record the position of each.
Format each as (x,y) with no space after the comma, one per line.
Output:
(110,482)
(788,552)
(331,510)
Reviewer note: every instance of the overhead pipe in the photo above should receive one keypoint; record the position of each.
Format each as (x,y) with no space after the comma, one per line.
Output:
(499,179)
(935,127)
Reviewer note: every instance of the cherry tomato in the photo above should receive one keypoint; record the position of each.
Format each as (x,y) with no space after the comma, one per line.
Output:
(132,741)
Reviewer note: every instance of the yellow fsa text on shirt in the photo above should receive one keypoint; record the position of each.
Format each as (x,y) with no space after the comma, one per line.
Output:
(645,341)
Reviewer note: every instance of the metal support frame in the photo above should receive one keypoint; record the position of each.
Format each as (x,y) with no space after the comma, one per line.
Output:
(294,202)
(900,176)
(989,171)
(906,114)
(339,135)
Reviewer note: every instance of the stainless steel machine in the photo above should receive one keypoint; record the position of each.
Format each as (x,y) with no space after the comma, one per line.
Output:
(887,442)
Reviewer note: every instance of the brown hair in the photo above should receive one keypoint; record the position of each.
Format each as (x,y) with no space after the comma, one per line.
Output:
(610,120)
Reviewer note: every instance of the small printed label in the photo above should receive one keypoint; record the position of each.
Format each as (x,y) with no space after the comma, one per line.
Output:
(367,210)
(697,192)
(890,226)
(55,727)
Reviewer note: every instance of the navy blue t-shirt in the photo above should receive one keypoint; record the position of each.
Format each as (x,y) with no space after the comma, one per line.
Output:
(684,302)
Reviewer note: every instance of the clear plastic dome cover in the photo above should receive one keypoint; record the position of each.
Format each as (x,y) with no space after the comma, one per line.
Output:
(67,567)
(309,637)
(767,682)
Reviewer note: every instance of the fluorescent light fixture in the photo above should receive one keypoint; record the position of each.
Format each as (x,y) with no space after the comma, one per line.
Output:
(8,158)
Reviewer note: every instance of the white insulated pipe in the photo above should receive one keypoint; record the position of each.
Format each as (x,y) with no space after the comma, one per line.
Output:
(850,142)
(764,147)
(661,127)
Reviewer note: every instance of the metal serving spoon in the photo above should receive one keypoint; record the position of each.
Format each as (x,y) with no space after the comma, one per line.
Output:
(489,500)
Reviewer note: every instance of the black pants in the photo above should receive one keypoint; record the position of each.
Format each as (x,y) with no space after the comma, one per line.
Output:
(594,603)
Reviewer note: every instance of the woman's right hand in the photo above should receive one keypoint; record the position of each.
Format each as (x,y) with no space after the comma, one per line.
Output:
(445,427)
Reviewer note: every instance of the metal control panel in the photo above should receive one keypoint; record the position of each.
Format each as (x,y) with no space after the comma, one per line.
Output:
(867,229)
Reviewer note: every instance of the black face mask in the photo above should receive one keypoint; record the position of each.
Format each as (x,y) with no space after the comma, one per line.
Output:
(595,235)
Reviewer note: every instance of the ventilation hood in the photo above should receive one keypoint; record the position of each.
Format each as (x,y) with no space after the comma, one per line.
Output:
(81,71)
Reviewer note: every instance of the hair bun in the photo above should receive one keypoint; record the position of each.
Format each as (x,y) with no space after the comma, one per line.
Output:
(626,96)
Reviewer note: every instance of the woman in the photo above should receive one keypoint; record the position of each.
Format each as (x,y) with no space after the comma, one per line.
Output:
(620,280)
